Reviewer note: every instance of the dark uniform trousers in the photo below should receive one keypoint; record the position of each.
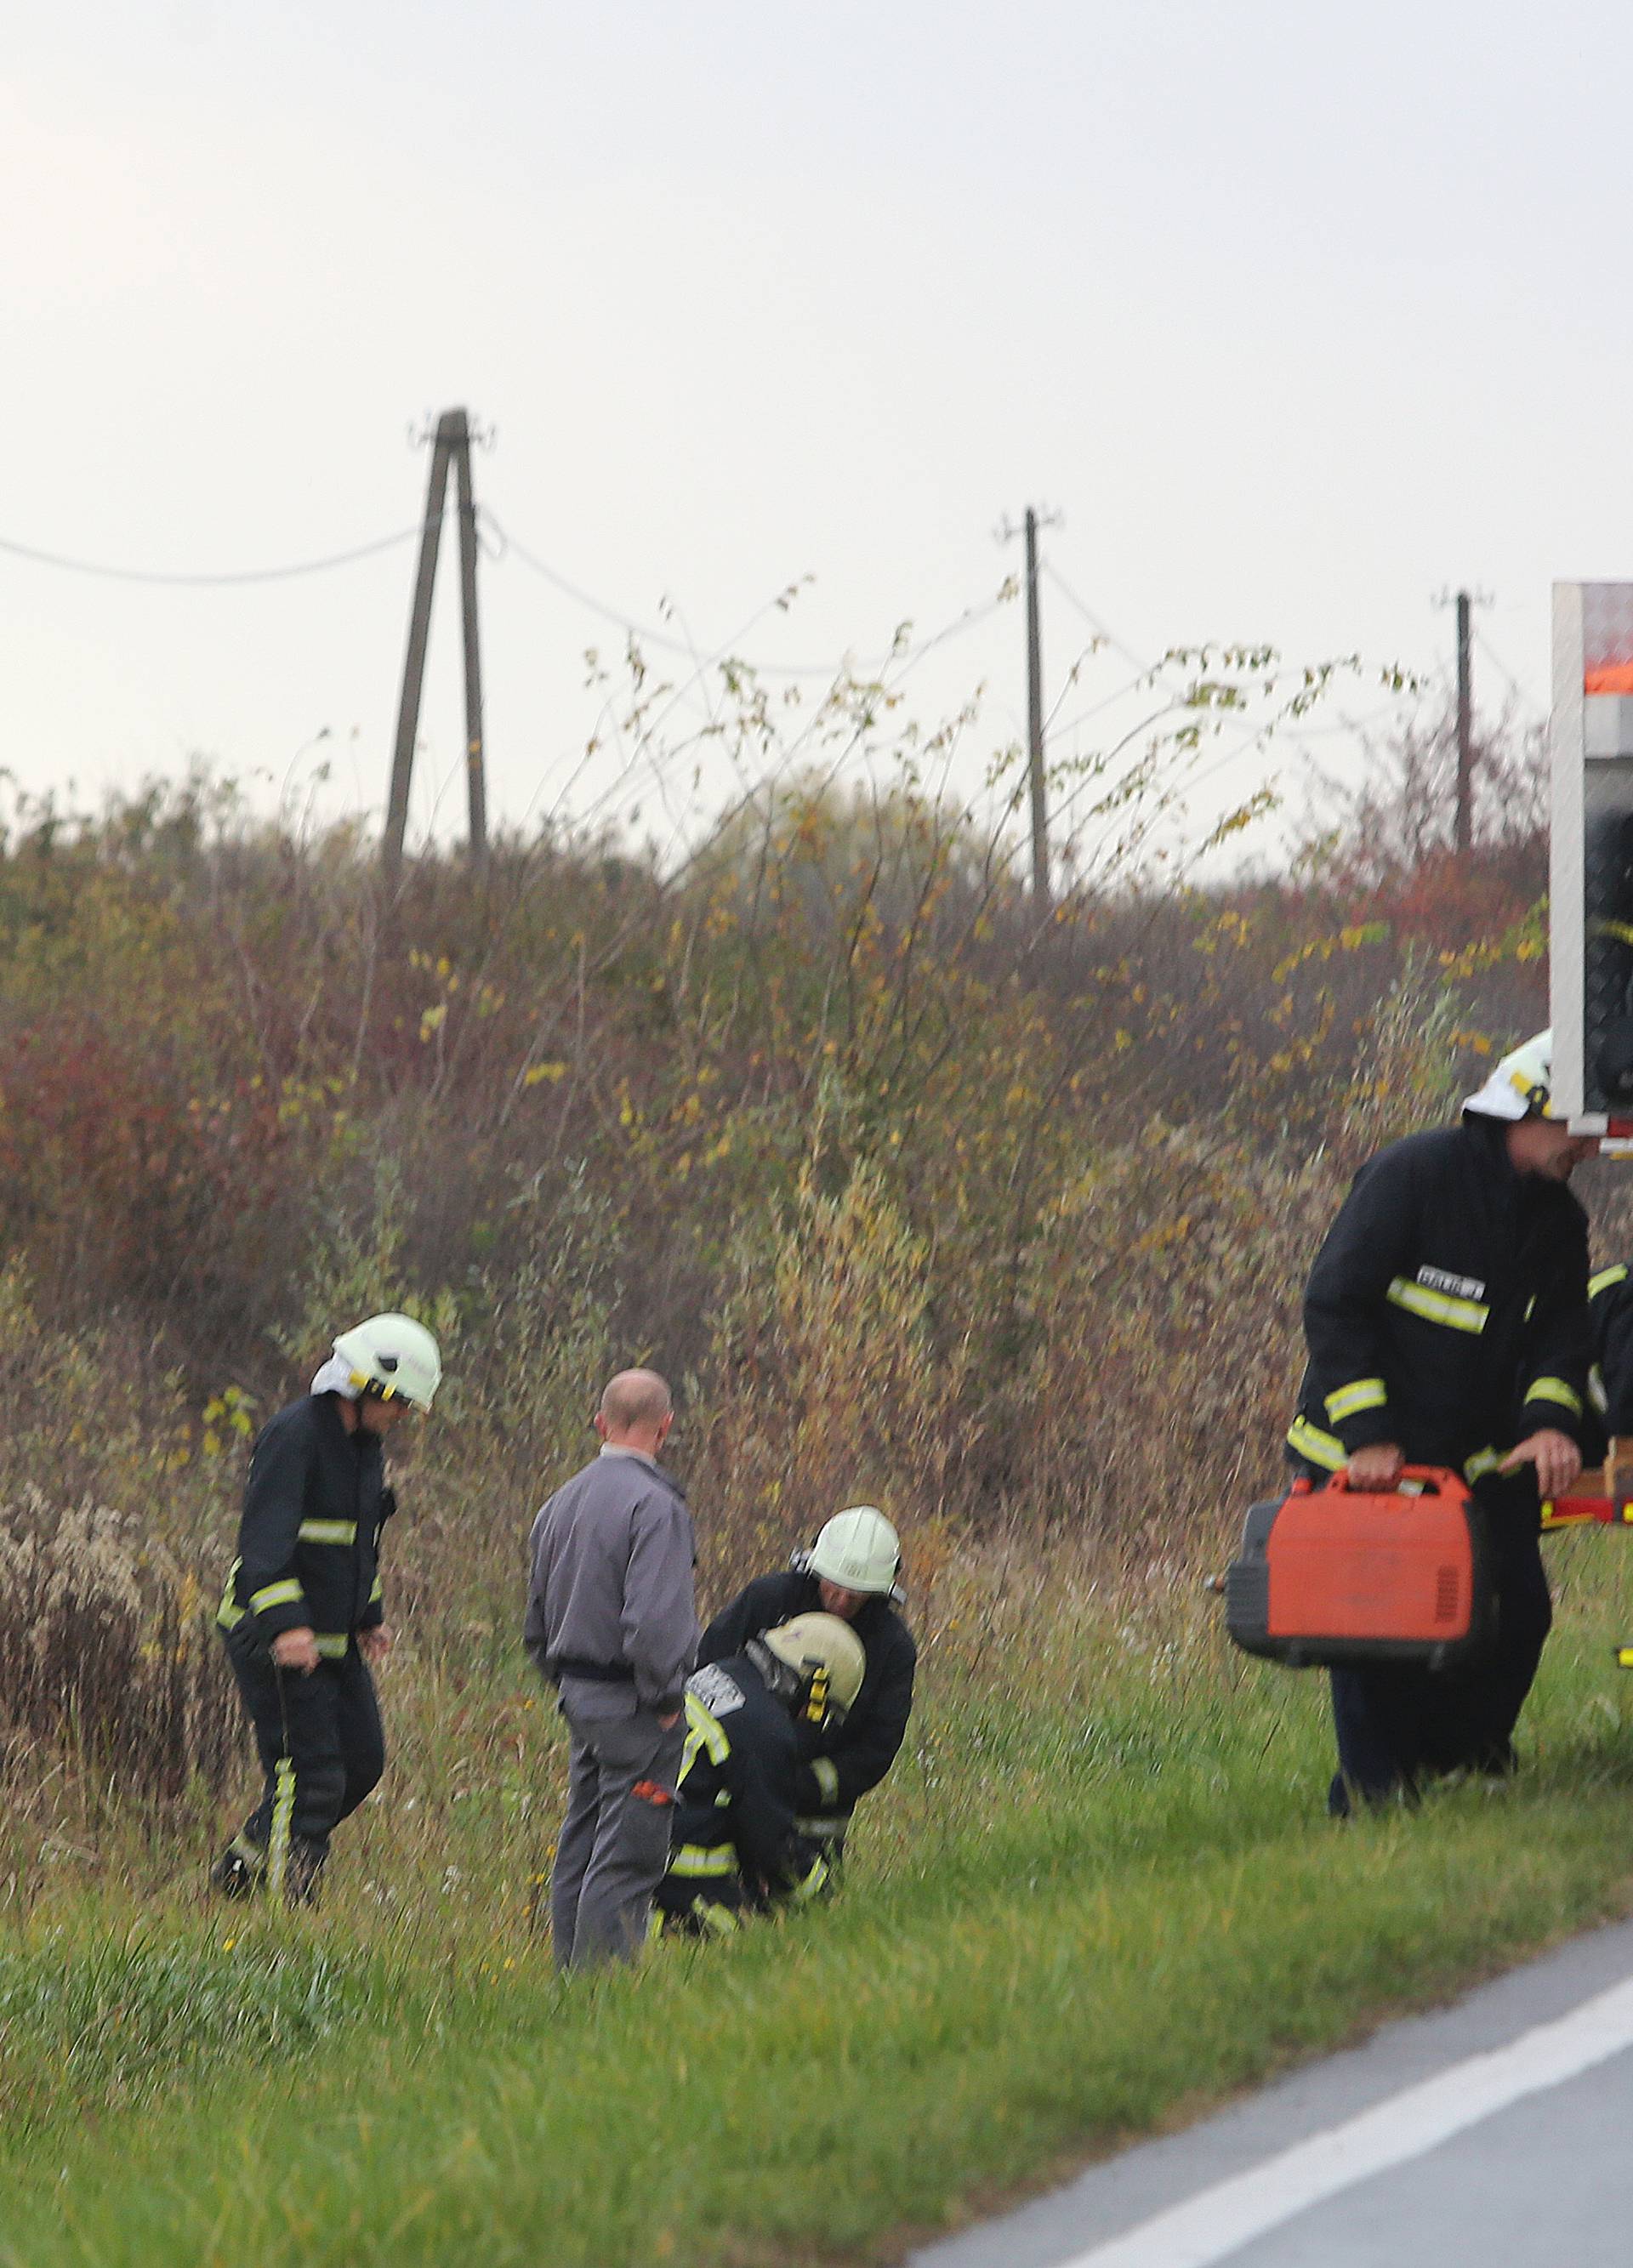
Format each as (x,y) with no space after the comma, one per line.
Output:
(1398,1724)
(319,1739)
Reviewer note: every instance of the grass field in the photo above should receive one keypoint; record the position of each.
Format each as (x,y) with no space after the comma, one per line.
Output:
(1097,1895)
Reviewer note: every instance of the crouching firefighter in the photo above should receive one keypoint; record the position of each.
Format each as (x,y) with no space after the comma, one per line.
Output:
(736,1847)
(850,1570)
(303,1615)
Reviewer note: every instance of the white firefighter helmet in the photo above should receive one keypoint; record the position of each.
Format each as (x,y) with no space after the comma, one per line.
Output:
(394,1356)
(858,1550)
(1520,1086)
(827,1657)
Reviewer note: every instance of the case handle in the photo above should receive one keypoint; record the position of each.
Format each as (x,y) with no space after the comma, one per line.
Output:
(1431,1480)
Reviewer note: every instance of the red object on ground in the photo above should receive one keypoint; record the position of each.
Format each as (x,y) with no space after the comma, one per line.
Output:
(1572,1511)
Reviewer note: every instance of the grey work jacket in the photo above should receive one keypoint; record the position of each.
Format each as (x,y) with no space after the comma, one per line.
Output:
(611,1589)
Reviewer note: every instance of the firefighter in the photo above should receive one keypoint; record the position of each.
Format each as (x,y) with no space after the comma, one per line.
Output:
(1610,1380)
(850,1570)
(1446,1324)
(736,1845)
(303,1615)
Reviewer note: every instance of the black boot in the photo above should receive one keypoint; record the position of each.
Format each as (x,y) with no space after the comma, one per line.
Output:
(302,1871)
(240,1869)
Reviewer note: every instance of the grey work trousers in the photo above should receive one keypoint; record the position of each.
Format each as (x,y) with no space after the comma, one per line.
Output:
(614,1840)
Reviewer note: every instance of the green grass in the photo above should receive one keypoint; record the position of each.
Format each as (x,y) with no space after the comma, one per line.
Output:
(1100,1895)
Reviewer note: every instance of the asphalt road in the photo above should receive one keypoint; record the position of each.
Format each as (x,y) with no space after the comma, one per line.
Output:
(1496,2132)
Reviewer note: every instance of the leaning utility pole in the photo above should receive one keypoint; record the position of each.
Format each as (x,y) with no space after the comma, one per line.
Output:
(476,783)
(1463,834)
(450,447)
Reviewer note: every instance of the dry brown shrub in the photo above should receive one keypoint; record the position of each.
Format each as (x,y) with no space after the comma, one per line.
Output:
(107,1650)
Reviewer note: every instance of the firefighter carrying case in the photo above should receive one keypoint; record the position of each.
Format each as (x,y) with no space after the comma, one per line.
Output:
(1335,1577)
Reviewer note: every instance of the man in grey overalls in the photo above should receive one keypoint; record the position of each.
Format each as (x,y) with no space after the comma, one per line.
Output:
(612,1623)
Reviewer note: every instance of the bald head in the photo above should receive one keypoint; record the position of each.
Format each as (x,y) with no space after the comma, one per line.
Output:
(635,1411)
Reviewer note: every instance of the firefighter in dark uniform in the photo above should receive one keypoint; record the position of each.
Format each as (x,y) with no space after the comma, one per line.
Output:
(303,1615)
(1610,1380)
(1446,1323)
(850,1570)
(735,1846)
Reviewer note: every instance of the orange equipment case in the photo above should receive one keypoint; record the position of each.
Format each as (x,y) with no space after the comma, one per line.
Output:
(1338,1577)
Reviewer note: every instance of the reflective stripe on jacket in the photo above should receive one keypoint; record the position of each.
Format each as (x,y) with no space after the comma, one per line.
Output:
(1447,1308)
(734,1815)
(308,1542)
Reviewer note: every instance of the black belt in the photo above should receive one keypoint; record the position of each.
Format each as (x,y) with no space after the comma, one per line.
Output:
(599,1673)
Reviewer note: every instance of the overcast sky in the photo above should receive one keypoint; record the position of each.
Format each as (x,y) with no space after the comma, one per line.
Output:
(1295,315)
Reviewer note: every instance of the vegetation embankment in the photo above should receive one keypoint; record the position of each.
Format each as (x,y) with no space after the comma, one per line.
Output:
(999,1223)
(1099,1892)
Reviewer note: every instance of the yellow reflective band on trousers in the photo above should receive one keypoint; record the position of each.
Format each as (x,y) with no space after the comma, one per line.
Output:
(813,1883)
(327,1531)
(1320,1448)
(827,1776)
(1620,933)
(1597,1394)
(1606,1278)
(1362,1393)
(283,1812)
(696,1860)
(287,1593)
(1483,1461)
(1554,1389)
(1437,1306)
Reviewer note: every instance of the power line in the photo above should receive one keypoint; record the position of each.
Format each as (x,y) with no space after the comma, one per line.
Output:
(828,671)
(1507,675)
(198,581)
(1093,619)
(1098,707)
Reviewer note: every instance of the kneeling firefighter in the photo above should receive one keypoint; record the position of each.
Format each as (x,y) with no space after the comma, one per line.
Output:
(850,1570)
(303,1615)
(736,1845)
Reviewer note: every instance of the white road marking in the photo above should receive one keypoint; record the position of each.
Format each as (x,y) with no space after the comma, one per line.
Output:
(1216,2221)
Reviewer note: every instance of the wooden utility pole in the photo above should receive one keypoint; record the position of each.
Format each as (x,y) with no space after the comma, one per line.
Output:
(1036,781)
(450,445)
(1463,834)
(1034,723)
(477,784)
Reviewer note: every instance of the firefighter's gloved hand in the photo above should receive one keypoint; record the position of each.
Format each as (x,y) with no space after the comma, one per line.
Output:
(1375,1469)
(296,1649)
(1556,1456)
